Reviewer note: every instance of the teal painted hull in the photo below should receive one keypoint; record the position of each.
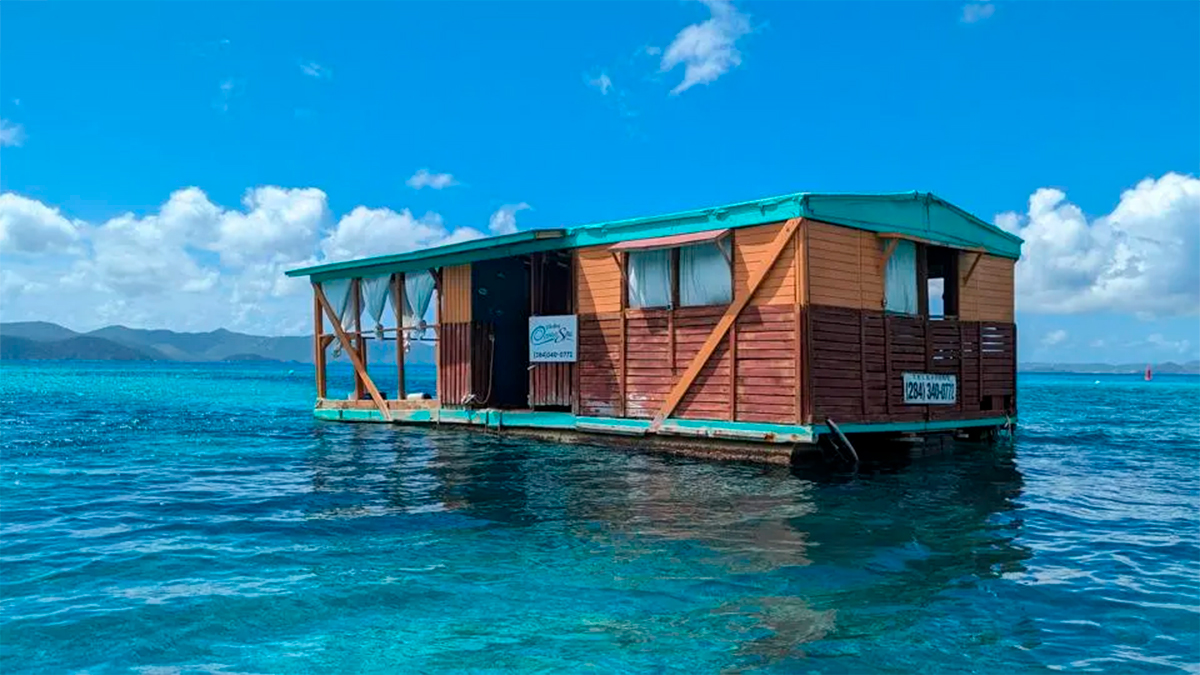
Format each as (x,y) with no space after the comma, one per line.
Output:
(717,430)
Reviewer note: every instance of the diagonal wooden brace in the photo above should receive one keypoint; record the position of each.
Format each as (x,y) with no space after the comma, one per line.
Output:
(359,367)
(731,314)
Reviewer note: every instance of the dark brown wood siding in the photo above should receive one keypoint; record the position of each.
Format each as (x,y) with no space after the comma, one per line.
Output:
(550,384)
(599,364)
(454,371)
(767,353)
(764,379)
(858,358)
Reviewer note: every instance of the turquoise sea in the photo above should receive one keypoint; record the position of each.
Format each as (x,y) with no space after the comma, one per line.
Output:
(196,519)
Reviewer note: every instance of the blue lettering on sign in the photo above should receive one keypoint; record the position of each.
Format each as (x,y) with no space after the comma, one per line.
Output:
(545,335)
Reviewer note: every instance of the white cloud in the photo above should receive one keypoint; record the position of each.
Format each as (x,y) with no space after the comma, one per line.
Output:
(1157,340)
(278,225)
(1054,337)
(30,227)
(143,256)
(369,232)
(975,12)
(603,83)
(707,50)
(314,69)
(424,179)
(504,220)
(11,134)
(192,264)
(1097,343)
(1143,258)
(13,285)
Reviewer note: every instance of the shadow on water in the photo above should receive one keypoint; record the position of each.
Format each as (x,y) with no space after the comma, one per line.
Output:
(768,559)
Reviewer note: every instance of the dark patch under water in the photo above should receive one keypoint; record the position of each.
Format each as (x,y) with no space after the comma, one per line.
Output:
(168,518)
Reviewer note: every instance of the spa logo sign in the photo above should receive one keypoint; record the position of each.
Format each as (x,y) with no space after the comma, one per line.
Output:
(553,339)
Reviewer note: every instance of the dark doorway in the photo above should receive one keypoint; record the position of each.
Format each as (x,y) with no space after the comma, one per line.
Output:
(500,312)
(941,273)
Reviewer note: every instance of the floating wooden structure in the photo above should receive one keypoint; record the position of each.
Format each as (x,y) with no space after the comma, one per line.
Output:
(741,329)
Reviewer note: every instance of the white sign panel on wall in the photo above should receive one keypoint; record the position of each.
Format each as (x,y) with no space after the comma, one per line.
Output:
(553,339)
(930,389)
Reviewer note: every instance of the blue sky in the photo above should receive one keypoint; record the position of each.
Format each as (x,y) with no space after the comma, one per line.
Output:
(301,127)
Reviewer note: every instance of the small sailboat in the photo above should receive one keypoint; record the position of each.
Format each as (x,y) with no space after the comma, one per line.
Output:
(1149,375)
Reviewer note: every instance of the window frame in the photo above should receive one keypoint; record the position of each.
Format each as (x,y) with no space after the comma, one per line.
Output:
(730,258)
(951,296)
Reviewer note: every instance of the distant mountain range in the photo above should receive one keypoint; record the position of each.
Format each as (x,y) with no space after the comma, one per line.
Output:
(43,341)
(1167,368)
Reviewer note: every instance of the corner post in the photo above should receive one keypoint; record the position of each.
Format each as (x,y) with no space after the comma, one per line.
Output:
(439,369)
(398,306)
(359,346)
(318,343)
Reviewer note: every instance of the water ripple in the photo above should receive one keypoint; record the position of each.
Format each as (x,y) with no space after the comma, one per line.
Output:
(195,519)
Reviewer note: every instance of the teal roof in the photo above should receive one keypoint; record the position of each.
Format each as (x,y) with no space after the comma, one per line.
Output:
(920,215)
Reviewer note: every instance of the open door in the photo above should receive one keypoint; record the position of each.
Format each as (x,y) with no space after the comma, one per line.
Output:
(552,293)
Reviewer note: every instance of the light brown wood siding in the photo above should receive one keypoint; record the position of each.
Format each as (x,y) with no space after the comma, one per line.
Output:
(598,280)
(751,246)
(456,298)
(843,267)
(988,295)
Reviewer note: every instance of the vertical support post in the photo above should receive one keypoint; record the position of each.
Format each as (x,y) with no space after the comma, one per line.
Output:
(962,357)
(979,358)
(537,272)
(804,384)
(733,394)
(319,343)
(1014,372)
(862,361)
(439,370)
(356,310)
(398,307)
(887,361)
(927,325)
(797,307)
(923,280)
(624,262)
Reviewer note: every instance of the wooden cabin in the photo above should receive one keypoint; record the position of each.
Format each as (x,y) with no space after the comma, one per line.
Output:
(747,329)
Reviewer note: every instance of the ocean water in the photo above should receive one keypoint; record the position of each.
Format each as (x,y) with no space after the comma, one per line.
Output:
(196,519)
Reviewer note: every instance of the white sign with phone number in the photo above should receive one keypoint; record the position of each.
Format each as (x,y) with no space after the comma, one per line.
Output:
(552,339)
(930,389)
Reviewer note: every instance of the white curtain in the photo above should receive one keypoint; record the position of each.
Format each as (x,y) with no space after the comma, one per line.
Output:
(337,292)
(900,279)
(377,291)
(704,274)
(418,292)
(649,275)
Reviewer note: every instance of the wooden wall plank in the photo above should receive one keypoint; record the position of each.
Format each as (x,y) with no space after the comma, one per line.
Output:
(784,238)
(988,294)
(843,267)
(598,281)
(456,290)
(856,369)
(751,246)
